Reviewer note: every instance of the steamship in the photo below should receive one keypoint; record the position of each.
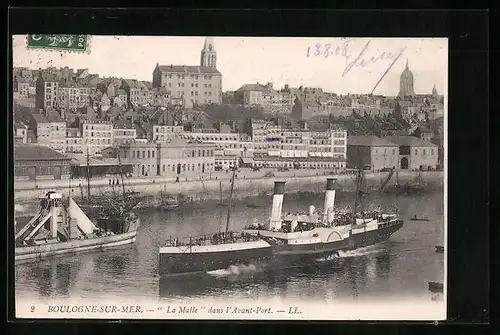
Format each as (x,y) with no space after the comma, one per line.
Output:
(292,240)
(304,238)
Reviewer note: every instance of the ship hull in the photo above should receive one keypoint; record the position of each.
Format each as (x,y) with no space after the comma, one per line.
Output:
(31,253)
(196,259)
(309,254)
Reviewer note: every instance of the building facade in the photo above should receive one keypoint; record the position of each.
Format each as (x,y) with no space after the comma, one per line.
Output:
(74,142)
(47,87)
(415,154)
(179,158)
(38,162)
(196,84)
(96,135)
(124,132)
(164,133)
(371,153)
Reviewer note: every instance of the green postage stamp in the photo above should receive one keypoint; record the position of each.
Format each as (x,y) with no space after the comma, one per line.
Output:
(59,42)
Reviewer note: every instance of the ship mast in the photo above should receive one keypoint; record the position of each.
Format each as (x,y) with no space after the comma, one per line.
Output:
(358,191)
(230,200)
(88,177)
(121,176)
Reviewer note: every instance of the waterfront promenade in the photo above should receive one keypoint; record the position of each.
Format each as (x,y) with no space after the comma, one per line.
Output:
(199,188)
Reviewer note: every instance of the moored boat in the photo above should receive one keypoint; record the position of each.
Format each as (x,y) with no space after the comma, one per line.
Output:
(436,287)
(439,249)
(62,227)
(415,218)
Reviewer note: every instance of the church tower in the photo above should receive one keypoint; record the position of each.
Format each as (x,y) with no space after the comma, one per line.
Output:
(406,83)
(434,92)
(208,54)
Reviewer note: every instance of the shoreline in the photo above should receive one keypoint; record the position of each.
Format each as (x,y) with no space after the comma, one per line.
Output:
(248,189)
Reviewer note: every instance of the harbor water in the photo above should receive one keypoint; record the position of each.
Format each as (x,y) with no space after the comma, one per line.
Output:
(401,267)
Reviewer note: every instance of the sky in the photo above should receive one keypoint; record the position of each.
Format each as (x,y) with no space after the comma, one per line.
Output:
(334,64)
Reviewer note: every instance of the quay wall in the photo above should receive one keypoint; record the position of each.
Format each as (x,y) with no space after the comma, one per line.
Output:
(198,190)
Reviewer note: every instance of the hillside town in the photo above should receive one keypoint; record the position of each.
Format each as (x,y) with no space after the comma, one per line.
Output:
(182,123)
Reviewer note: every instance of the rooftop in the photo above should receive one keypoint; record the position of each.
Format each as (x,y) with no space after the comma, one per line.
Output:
(32,153)
(251,87)
(369,141)
(188,69)
(39,118)
(411,141)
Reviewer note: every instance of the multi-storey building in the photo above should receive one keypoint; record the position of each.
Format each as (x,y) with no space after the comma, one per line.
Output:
(197,84)
(41,128)
(120,99)
(138,93)
(250,94)
(175,159)
(74,142)
(23,87)
(72,95)
(228,146)
(165,133)
(265,135)
(20,133)
(124,132)
(57,131)
(47,86)
(97,135)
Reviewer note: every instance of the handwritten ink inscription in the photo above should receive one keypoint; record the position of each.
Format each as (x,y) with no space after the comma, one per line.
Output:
(364,58)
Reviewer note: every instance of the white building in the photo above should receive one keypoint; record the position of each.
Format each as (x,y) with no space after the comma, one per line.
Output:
(97,135)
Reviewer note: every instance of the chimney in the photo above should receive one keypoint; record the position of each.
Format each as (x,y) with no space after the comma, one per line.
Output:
(328,214)
(279,191)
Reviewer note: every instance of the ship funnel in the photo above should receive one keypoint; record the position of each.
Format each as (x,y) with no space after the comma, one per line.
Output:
(328,213)
(311,210)
(279,191)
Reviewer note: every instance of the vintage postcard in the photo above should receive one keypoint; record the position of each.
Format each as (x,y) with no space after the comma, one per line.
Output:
(237,178)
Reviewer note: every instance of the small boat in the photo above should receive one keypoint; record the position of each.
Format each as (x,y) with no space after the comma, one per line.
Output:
(169,204)
(439,249)
(436,287)
(415,218)
(253,205)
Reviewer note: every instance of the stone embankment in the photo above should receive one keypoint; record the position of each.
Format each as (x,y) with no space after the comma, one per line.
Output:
(248,184)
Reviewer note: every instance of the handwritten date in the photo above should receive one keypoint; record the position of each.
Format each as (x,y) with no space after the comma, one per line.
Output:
(362,59)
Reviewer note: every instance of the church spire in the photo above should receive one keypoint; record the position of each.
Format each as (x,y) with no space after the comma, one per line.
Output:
(208,54)
(407,64)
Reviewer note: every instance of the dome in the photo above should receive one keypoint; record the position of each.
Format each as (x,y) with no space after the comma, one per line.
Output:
(407,73)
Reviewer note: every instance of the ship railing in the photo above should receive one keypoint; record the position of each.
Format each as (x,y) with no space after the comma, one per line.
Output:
(210,239)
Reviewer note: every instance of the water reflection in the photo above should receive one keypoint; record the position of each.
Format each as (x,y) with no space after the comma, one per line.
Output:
(259,280)
(53,278)
(402,265)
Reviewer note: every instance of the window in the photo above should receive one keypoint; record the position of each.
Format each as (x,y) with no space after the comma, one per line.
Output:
(143,154)
(393,151)
(153,153)
(432,152)
(416,152)
(423,151)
